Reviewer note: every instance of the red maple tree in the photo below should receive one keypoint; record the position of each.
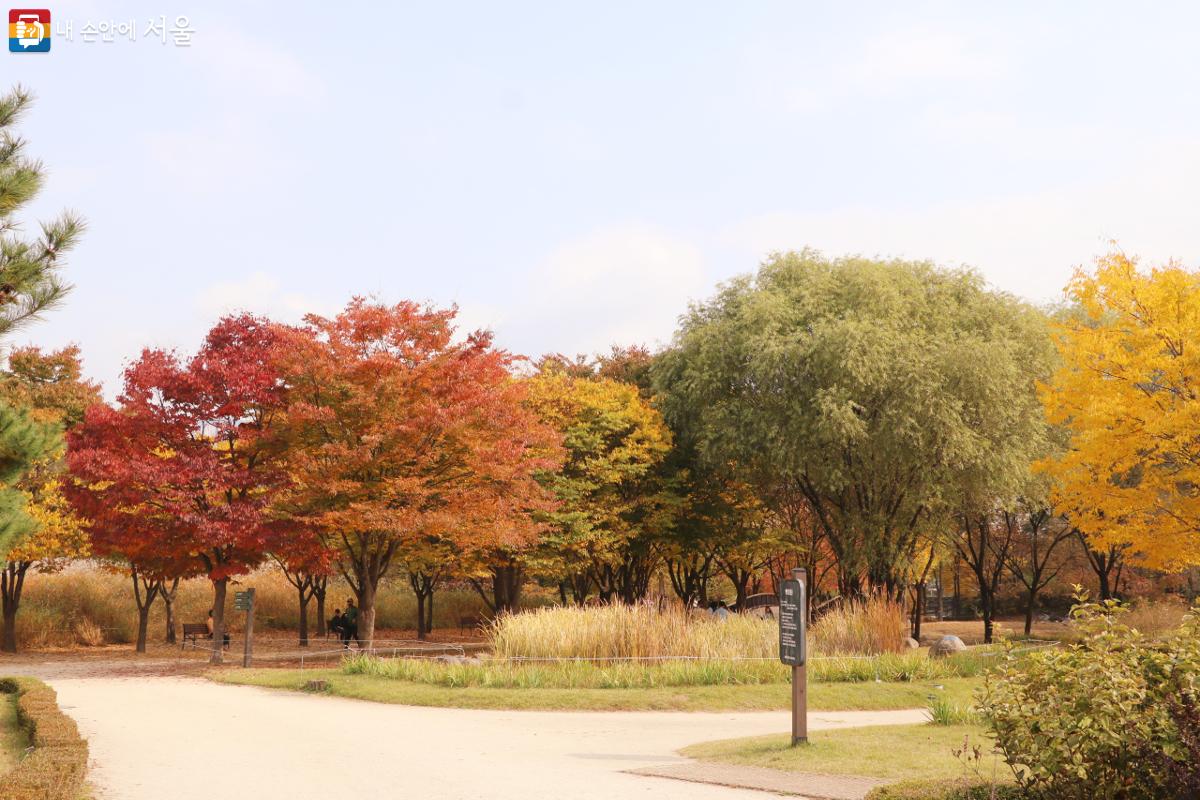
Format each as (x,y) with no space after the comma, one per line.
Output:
(123,525)
(189,449)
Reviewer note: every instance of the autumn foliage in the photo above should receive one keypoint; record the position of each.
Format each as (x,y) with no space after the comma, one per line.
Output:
(1126,393)
(184,467)
(396,434)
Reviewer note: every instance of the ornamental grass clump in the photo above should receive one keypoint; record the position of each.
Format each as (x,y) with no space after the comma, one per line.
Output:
(1104,718)
(638,632)
(872,626)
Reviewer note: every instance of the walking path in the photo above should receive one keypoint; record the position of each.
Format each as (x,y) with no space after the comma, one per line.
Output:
(150,738)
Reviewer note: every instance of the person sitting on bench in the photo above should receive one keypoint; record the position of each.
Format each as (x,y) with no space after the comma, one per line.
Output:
(336,622)
(209,622)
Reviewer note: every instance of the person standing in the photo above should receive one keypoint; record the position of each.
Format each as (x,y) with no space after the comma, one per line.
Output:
(349,622)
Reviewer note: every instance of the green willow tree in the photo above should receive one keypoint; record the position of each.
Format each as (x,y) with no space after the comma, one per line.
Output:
(887,392)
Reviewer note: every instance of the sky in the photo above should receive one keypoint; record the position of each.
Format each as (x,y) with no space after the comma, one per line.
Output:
(572,175)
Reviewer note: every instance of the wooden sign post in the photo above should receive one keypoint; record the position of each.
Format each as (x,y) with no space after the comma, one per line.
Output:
(793,629)
(244,601)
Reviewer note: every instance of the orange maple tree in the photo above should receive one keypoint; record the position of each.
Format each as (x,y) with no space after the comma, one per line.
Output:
(395,430)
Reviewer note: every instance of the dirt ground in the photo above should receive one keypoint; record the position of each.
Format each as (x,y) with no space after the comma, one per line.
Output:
(149,739)
(272,649)
(971,631)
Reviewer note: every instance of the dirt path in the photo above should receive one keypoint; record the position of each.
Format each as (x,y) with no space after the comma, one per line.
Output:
(147,736)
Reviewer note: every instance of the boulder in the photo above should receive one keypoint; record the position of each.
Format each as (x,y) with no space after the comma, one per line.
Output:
(911,643)
(947,646)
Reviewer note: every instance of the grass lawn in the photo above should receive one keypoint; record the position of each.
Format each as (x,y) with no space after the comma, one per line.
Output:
(892,752)
(12,738)
(754,697)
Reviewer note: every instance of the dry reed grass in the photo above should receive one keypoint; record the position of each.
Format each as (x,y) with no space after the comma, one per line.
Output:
(870,627)
(616,631)
(1156,617)
(85,605)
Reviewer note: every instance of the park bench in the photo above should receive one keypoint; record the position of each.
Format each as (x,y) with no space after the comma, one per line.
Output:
(471,621)
(194,631)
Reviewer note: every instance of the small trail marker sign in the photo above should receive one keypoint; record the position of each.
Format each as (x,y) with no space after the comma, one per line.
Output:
(793,629)
(792,625)
(244,601)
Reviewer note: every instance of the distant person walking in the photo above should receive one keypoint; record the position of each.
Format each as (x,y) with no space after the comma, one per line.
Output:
(349,623)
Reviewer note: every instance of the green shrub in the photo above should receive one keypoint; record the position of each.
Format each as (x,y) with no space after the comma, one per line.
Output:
(1093,720)
(57,765)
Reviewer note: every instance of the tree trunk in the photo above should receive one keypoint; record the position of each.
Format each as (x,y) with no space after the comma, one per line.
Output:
(12,581)
(144,593)
(429,613)
(169,602)
(985,606)
(739,591)
(10,630)
(320,584)
(143,628)
(366,613)
(420,615)
(1030,605)
(581,586)
(506,587)
(303,616)
(218,637)
(918,610)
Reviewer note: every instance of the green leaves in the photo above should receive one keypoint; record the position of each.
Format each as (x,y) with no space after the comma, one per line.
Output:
(889,389)
(1092,720)
(29,283)
(23,442)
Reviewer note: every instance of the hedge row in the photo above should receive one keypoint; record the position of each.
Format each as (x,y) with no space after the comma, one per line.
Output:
(57,765)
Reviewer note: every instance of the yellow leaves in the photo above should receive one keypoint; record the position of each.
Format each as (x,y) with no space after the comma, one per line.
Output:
(614,440)
(1127,395)
(60,533)
(610,431)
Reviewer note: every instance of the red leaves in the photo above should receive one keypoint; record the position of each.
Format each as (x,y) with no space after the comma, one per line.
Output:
(183,471)
(376,425)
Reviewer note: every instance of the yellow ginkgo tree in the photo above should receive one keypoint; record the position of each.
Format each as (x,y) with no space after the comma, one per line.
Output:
(1127,394)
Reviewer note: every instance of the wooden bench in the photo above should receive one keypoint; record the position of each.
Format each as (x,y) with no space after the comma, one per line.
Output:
(194,631)
(472,621)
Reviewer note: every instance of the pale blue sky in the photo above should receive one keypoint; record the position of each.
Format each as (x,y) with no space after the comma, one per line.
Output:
(572,174)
